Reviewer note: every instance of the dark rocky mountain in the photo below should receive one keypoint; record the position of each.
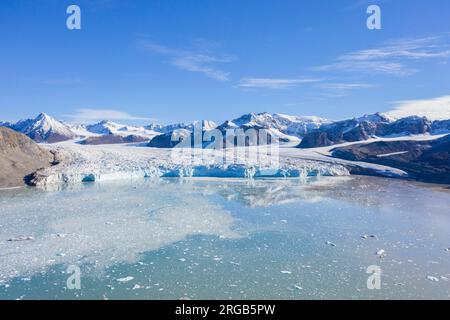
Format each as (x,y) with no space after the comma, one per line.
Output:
(112,139)
(406,126)
(427,161)
(360,129)
(19,157)
(171,139)
(176,135)
(5,124)
(440,127)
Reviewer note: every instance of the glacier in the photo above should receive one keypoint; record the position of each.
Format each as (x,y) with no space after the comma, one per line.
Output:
(79,164)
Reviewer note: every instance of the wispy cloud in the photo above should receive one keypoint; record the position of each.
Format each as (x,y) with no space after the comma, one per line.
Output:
(273,83)
(346,86)
(201,60)
(393,57)
(434,109)
(89,115)
(342,89)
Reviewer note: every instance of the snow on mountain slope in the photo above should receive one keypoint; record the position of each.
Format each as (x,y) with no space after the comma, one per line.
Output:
(136,131)
(174,134)
(440,127)
(5,124)
(288,125)
(298,126)
(170,139)
(363,128)
(376,118)
(106,127)
(81,131)
(287,129)
(264,120)
(206,125)
(284,128)
(44,129)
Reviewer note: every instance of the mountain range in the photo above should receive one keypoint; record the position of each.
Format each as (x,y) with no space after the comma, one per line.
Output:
(304,132)
(372,126)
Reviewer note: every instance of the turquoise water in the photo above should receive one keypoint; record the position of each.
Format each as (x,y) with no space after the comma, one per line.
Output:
(227,239)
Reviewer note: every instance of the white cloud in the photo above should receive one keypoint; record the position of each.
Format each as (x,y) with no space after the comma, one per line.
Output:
(88,115)
(203,64)
(200,61)
(346,86)
(394,57)
(434,109)
(271,83)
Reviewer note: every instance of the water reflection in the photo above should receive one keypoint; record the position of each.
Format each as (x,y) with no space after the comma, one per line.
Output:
(101,224)
(216,238)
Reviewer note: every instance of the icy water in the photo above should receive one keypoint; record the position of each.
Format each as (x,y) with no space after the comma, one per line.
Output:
(226,239)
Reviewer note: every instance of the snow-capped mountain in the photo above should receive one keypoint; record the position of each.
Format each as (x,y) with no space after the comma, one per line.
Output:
(44,129)
(363,128)
(170,139)
(284,128)
(176,133)
(106,127)
(287,125)
(440,127)
(298,126)
(5,124)
(376,118)
(311,131)
(206,125)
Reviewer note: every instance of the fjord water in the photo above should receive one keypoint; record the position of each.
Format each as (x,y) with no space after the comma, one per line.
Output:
(227,239)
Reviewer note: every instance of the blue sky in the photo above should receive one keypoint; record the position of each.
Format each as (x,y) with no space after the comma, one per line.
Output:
(181,60)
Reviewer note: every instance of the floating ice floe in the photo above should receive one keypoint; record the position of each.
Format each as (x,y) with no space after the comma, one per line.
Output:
(126,279)
(434,279)
(381,253)
(21,238)
(331,244)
